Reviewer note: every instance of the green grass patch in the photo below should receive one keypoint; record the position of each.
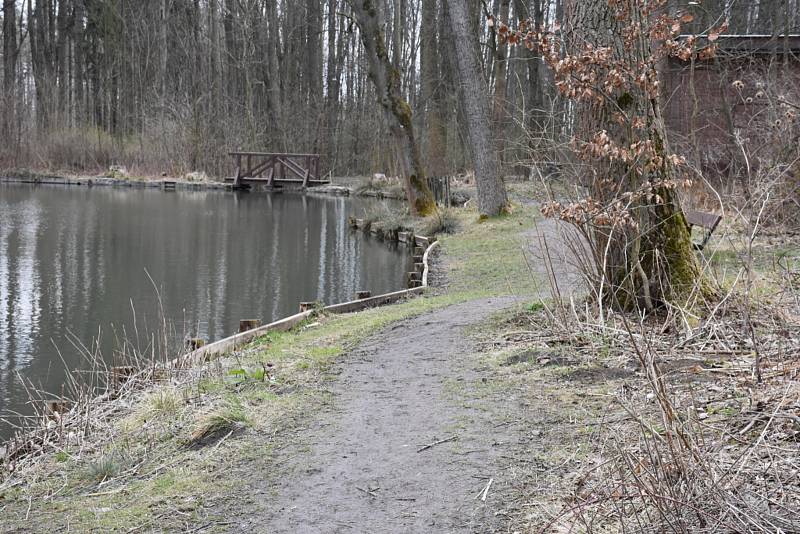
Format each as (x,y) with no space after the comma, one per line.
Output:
(488,257)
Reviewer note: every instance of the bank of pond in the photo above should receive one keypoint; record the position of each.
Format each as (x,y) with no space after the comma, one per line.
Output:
(86,271)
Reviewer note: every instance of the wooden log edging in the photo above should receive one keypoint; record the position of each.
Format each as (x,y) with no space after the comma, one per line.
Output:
(235,341)
(231,343)
(426,262)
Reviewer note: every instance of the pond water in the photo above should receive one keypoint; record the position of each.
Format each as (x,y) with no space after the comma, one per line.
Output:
(82,264)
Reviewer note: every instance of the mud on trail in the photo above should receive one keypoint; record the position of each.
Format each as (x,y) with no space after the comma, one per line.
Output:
(362,466)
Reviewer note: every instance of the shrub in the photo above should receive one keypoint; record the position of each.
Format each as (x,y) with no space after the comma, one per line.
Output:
(443,221)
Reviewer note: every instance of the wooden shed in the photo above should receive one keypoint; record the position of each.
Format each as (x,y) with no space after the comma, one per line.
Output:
(709,103)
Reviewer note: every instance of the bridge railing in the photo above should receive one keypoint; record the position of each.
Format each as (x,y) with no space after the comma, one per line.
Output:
(273,167)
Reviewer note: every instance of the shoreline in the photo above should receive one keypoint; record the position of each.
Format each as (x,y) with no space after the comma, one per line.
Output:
(15,448)
(38,178)
(231,343)
(25,176)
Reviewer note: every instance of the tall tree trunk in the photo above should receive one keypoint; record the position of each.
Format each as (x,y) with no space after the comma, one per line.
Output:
(386,79)
(430,79)
(61,63)
(9,46)
(652,260)
(534,89)
(273,79)
(492,198)
(163,54)
(500,73)
(313,73)
(216,61)
(9,100)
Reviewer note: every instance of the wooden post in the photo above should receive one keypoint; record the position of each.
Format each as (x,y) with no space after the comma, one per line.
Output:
(361,295)
(306,306)
(195,343)
(53,407)
(121,374)
(248,324)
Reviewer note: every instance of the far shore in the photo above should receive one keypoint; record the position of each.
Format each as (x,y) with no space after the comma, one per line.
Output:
(340,186)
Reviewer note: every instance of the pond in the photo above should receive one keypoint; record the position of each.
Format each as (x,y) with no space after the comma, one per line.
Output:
(94,265)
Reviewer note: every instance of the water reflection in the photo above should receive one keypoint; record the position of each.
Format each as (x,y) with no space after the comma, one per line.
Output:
(79,260)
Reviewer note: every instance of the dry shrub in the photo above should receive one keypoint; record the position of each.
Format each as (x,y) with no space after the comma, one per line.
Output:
(697,443)
(443,221)
(706,437)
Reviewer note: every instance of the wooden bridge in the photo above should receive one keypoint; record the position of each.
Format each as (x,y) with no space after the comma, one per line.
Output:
(276,169)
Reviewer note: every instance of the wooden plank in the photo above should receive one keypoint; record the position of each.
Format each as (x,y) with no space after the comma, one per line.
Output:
(292,166)
(260,168)
(705,220)
(709,221)
(287,154)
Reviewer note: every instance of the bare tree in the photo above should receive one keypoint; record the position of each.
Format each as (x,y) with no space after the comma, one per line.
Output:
(386,78)
(640,237)
(492,198)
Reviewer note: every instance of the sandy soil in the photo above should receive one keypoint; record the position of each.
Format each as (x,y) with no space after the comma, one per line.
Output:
(361,466)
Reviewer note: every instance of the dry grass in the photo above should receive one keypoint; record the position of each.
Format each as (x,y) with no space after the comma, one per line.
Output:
(699,422)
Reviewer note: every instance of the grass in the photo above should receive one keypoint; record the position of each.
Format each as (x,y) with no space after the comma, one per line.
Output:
(488,257)
(104,468)
(165,402)
(187,446)
(224,419)
(775,264)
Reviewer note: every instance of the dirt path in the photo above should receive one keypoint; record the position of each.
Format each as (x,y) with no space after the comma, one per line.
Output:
(359,468)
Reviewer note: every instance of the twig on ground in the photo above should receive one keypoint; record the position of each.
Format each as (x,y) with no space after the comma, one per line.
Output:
(485,491)
(435,443)
(368,491)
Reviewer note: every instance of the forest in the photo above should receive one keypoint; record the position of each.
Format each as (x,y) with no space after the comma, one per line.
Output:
(172,85)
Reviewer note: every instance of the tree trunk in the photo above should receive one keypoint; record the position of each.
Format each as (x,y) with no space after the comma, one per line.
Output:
(430,78)
(500,72)
(492,198)
(386,79)
(9,46)
(163,54)
(313,73)
(8,102)
(651,261)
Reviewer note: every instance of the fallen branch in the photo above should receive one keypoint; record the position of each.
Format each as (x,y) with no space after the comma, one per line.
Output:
(368,491)
(485,491)
(435,443)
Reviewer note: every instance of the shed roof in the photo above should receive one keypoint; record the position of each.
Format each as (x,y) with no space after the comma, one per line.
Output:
(756,43)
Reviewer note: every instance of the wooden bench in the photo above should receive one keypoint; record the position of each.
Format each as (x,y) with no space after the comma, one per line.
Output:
(707,221)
